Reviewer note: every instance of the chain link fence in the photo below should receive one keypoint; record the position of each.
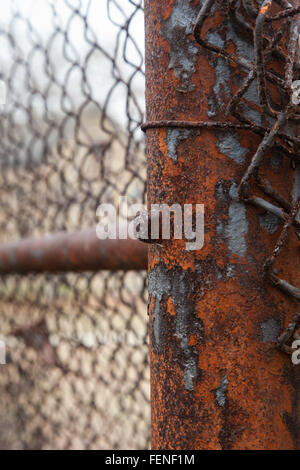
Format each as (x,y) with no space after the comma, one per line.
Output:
(77,374)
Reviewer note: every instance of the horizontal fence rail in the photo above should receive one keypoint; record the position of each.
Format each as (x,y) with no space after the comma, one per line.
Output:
(72,252)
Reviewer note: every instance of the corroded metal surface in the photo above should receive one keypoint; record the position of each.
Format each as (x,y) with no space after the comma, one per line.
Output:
(218,381)
(73,252)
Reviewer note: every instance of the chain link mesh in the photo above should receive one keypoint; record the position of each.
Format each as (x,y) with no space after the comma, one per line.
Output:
(77,374)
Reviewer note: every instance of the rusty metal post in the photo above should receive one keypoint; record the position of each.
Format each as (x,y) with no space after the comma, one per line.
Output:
(71,252)
(217,379)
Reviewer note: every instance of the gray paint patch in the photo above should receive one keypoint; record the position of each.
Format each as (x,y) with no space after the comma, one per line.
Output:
(221,392)
(229,145)
(269,222)
(270,330)
(158,286)
(174,136)
(183,311)
(251,94)
(183,52)
(177,285)
(214,38)
(237,226)
(191,372)
(221,88)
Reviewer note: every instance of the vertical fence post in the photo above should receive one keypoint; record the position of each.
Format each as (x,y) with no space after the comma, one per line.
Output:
(217,379)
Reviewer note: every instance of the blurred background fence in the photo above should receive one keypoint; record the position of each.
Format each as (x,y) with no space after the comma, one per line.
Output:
(77,373)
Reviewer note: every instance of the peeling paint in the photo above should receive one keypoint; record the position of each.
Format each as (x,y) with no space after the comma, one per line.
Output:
(159,286)
(191,372)
(183,52)
(214,38)
(270,330)
(174,136)
(221,392)
(229,145)
(237,226)
(164,283)
(221,87)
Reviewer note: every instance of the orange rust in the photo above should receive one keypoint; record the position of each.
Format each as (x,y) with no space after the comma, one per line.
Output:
(170,307)
(217,379)
(168,10)
(264,9)
(193,340)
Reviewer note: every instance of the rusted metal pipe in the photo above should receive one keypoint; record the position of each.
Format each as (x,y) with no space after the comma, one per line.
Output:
(217,379)
(70,252)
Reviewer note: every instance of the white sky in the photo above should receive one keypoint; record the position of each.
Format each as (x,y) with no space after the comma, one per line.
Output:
(99,71)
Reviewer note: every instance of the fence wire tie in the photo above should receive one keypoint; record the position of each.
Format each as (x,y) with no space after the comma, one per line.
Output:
(247,16)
